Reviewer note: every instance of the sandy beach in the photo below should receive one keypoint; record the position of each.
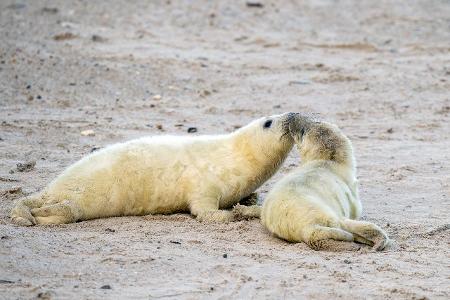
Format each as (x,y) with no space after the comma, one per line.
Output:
(76,76)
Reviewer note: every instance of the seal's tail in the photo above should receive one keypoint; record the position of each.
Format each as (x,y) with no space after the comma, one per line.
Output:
(366,233)
(21,212)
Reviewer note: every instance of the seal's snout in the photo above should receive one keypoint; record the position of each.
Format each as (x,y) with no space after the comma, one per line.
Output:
(289,119)
(291,116)
(297,124)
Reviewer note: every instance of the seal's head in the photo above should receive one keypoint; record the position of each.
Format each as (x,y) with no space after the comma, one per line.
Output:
(266,140)
(318,140)
(258,149)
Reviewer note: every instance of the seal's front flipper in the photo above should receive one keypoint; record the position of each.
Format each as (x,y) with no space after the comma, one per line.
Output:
(60,213)
(206,209)
(242,212)
(21,213)
(216,216)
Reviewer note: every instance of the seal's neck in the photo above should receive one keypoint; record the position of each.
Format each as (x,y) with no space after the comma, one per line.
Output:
(340,159)
(259,158)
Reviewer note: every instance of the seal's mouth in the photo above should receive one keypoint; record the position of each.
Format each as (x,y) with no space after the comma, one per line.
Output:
(288,123)
(295,125)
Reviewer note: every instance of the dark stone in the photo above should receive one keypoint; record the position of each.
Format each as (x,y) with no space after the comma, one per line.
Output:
(105,287)
(254,4)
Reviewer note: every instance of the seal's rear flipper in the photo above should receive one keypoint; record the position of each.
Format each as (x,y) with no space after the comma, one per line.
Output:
(21,213)
(318,237)
(366,233)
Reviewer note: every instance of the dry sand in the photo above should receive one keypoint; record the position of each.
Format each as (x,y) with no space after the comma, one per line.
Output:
(379,69)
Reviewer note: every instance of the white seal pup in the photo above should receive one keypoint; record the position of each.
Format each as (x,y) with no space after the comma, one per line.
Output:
(202,175)
(319,201)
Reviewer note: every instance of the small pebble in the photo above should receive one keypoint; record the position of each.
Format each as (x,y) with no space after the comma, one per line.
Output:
(16,6)
(13,190)
(97,38)
(26,166)
(157,97)
(95,148)
(64,36)
(204,93)
(254,4)
(106,287)
(44,295)
(192,129)
(88,132)
(299,82)
(4,281)
(50,10)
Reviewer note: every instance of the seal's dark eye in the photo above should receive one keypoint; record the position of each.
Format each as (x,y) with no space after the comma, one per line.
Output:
(268,123)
